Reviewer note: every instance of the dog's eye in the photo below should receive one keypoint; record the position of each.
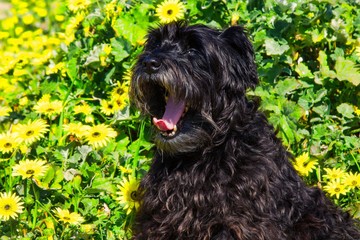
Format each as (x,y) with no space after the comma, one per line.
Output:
(190,51)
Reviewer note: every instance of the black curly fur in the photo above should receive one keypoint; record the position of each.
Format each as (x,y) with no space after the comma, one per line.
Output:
(224,175)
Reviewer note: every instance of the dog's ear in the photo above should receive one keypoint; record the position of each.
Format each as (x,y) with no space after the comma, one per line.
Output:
(239,43)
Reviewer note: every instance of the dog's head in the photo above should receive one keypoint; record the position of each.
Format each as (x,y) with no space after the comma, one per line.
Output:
(189,79)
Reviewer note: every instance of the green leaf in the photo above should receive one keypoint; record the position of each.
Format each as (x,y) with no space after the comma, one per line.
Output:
(287,130)
(109,75)
(102,184)
(317,36)
(287,86)
(325,71)
(346,110)
(93,59)
(128,29)
(273,47)
(303,70)
(84,151)
(321,110)
(292,111)
(120,49)
(347,71)
(320,95)
(72,69)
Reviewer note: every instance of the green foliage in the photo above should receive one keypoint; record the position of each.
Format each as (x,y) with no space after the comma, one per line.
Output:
(307,52)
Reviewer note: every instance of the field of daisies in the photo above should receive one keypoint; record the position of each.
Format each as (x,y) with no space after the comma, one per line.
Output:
(72,149)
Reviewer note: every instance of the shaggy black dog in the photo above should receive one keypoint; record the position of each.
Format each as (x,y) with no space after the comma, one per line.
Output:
(219,171)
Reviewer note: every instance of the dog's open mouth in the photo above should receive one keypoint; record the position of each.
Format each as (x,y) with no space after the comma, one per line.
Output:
(169,123)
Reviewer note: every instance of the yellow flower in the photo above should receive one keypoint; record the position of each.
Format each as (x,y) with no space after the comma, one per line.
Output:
(55,68)
(83,108)
(65,216)
(77,129)
(335,188)
(7,142)
(170,10)
(352,180)
(129,194)
(30,169)
(88,229)
(334,173)
(4,111)
(108,107)
(89,119)
(23,101)
(356,109)
(19,30)
(125,170)
(76,5)
(73,25)
(235,16)
(28,19)
(59,18)
(357,50)
(304,165)
(10,206)
(127,76)
(42,12)
(19,72)
(47,107)
(99,135)
(121,89)
(119,101)
(106,49)
(31,131)
(4,35)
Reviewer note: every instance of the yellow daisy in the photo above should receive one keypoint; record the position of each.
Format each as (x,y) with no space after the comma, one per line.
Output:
(119,101)
(77,129)
(334,173)
(67,217)
(7,142)
(30,169)
(336,188)
(120,89)
(352,180)
(170,10)
(83,108)
(99,135)
(48,107)
(108,107)
(304,165)
(31,131)
(10,206)
(127,77)
(76,5)
(4,111)
(129,194)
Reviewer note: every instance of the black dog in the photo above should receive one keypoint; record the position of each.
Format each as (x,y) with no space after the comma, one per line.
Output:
(219,170)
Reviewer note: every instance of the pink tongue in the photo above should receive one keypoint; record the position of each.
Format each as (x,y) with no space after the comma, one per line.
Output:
(173,111)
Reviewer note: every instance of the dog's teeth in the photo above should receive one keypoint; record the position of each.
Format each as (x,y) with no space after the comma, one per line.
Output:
(174,130)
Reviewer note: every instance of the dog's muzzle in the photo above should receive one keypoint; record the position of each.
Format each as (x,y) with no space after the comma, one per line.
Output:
(151,64)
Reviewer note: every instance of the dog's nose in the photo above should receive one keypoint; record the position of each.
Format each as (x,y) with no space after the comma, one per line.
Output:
(151,64)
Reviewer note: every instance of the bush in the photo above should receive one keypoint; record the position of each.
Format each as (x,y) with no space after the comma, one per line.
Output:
(72,150)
